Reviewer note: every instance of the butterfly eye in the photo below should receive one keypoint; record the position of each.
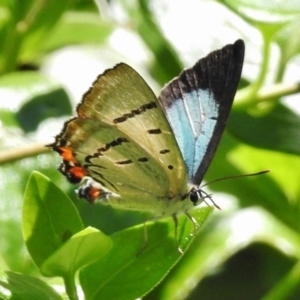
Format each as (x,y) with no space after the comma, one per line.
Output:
(198,196)
(195,195)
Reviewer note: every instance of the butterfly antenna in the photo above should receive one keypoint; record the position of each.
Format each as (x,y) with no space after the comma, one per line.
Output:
(233,177)
(211,200)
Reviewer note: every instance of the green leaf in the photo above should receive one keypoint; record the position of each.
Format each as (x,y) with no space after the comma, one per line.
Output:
(78,28)
(289,46)
(39,96)
(287,287)
(49,218)
(24,287)
(40,20)
(265,12)
(163,69)
(130,270)
(279,130)
(80,250)
(277,191)
(269,17)
(8,118)
(143,21)
(223,239)
(54,103)
(26,25)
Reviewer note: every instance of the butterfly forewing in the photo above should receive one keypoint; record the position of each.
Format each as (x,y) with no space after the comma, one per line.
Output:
(197,105)
(122,138)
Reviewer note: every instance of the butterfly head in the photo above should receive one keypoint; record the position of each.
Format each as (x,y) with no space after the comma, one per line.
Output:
(196,195)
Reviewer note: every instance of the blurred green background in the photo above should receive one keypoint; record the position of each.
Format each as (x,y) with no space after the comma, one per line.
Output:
(51,51)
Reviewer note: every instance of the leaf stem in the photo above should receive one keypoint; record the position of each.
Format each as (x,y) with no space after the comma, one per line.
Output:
(248,94)
(70,287)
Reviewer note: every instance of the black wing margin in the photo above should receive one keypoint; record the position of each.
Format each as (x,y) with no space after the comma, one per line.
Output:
(219,73)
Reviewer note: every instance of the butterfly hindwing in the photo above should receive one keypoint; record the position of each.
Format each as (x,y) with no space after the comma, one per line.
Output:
(197,105)
(122,139)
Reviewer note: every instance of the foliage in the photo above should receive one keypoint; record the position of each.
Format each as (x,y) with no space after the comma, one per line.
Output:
(250,248)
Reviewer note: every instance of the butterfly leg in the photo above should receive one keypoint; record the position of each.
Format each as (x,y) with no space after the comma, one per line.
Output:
(145,240)
(192,219)
(174,216)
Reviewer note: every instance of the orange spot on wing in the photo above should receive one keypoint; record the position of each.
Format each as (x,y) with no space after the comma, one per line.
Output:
(77,172)
(93,194)
(67,154)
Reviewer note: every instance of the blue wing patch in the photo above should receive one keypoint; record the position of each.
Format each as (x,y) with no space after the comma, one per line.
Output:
(194,122)
(197,105)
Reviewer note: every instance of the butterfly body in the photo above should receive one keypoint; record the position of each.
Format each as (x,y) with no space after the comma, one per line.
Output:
(135,151)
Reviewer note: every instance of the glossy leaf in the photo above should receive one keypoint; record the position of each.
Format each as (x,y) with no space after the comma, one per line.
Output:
(8,118)
(224,239)
(54,103)
(39,98)
(163,70)
(49,218)
(24,287)
(281,129)
(130,270)
(24,26)
(78,28)
(80,250)
(270,12)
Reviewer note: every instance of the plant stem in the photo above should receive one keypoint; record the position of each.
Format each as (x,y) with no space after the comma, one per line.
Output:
(286,286)
(10,155)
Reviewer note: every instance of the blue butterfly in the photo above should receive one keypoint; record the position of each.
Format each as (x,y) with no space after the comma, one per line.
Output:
(134,151)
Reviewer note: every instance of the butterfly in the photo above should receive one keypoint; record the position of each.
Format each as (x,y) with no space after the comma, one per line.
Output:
(134,151)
